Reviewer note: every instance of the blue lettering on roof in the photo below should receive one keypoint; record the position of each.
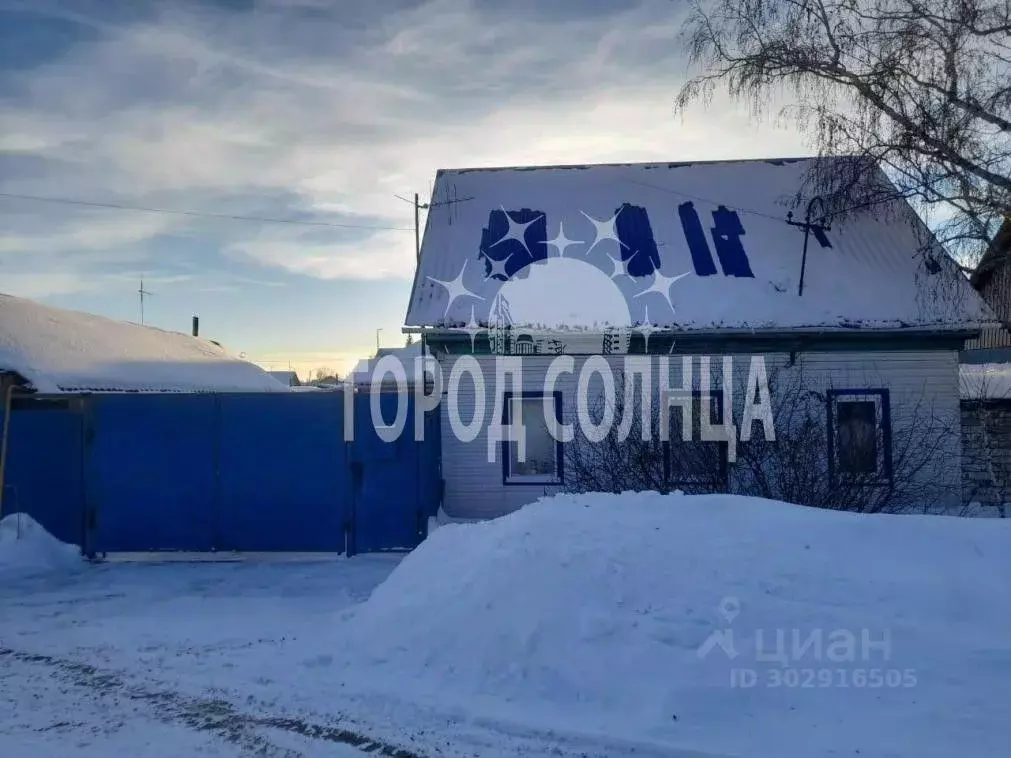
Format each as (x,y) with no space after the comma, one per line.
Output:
(702,259)
(727,232)
(638,247)
(513,240)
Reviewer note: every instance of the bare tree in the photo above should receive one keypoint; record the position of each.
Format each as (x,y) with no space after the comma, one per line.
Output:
(802,465)
(794,467)
(636,461)
(323,375)
(921,88)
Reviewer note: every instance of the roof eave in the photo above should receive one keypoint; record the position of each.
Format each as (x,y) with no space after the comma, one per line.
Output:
(640,164)
(970,329)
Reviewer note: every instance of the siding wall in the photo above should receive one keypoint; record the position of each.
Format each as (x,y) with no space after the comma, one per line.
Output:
(474,488)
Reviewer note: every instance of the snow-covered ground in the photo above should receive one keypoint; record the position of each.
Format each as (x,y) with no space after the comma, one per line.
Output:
(985,381)
(600,626)
(25,546)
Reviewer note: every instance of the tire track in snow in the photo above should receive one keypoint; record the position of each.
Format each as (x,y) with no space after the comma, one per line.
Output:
(212,715)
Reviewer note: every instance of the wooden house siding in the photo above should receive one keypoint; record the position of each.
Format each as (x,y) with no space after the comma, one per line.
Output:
(916,380)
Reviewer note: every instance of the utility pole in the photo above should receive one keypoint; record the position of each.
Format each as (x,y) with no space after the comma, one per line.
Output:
(819,228)
(420,206)
(417,228)
(377,340)
(143,293)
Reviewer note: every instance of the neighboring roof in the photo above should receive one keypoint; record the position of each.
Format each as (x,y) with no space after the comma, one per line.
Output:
(57,350)
(361,367)
(985,381)
(362,371)
(288,377)
(497,231)
(995,256)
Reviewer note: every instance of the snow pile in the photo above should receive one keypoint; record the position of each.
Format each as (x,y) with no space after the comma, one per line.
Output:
(985,381)
(65,351)
(26,545)
(597,613)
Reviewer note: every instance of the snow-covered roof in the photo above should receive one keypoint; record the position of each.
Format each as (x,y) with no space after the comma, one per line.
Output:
(582,246)
(287,377)
(985,381)
(362,371)
(57,350)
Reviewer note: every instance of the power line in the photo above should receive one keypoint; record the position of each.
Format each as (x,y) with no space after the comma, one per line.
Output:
(196,214)
(888,198)
(700,199)
(418,207)
(882,200)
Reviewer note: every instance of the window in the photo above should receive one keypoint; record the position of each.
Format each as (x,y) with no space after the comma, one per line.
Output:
(858,439)
(860,435)
(697,466)
(542,462)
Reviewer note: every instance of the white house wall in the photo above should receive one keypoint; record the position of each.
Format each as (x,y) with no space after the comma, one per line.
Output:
(916,381)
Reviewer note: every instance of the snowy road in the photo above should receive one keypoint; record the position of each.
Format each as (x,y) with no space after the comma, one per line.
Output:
(59,708)
(217,659)
(63,634)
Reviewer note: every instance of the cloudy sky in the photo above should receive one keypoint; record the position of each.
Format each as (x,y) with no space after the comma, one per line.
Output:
(318,111)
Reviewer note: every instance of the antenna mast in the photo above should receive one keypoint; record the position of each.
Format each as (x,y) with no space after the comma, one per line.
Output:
(817,225)
(143,293)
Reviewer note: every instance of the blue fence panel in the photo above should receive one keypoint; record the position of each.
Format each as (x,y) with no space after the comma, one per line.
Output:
(389,512)
(150,464)
(430,465)
(284,478)
(245,472)
(43,476)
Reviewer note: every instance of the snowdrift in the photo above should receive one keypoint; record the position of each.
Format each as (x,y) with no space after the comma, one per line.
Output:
(634,615)
(26,545)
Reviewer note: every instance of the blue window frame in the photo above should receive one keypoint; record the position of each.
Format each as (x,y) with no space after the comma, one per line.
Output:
(860,436)
(543,464)
(697,465)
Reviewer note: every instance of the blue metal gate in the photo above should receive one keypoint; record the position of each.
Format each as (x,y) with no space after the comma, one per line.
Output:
(253,472)
(150,472)
(284,479)
(43,475)
(392,482)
